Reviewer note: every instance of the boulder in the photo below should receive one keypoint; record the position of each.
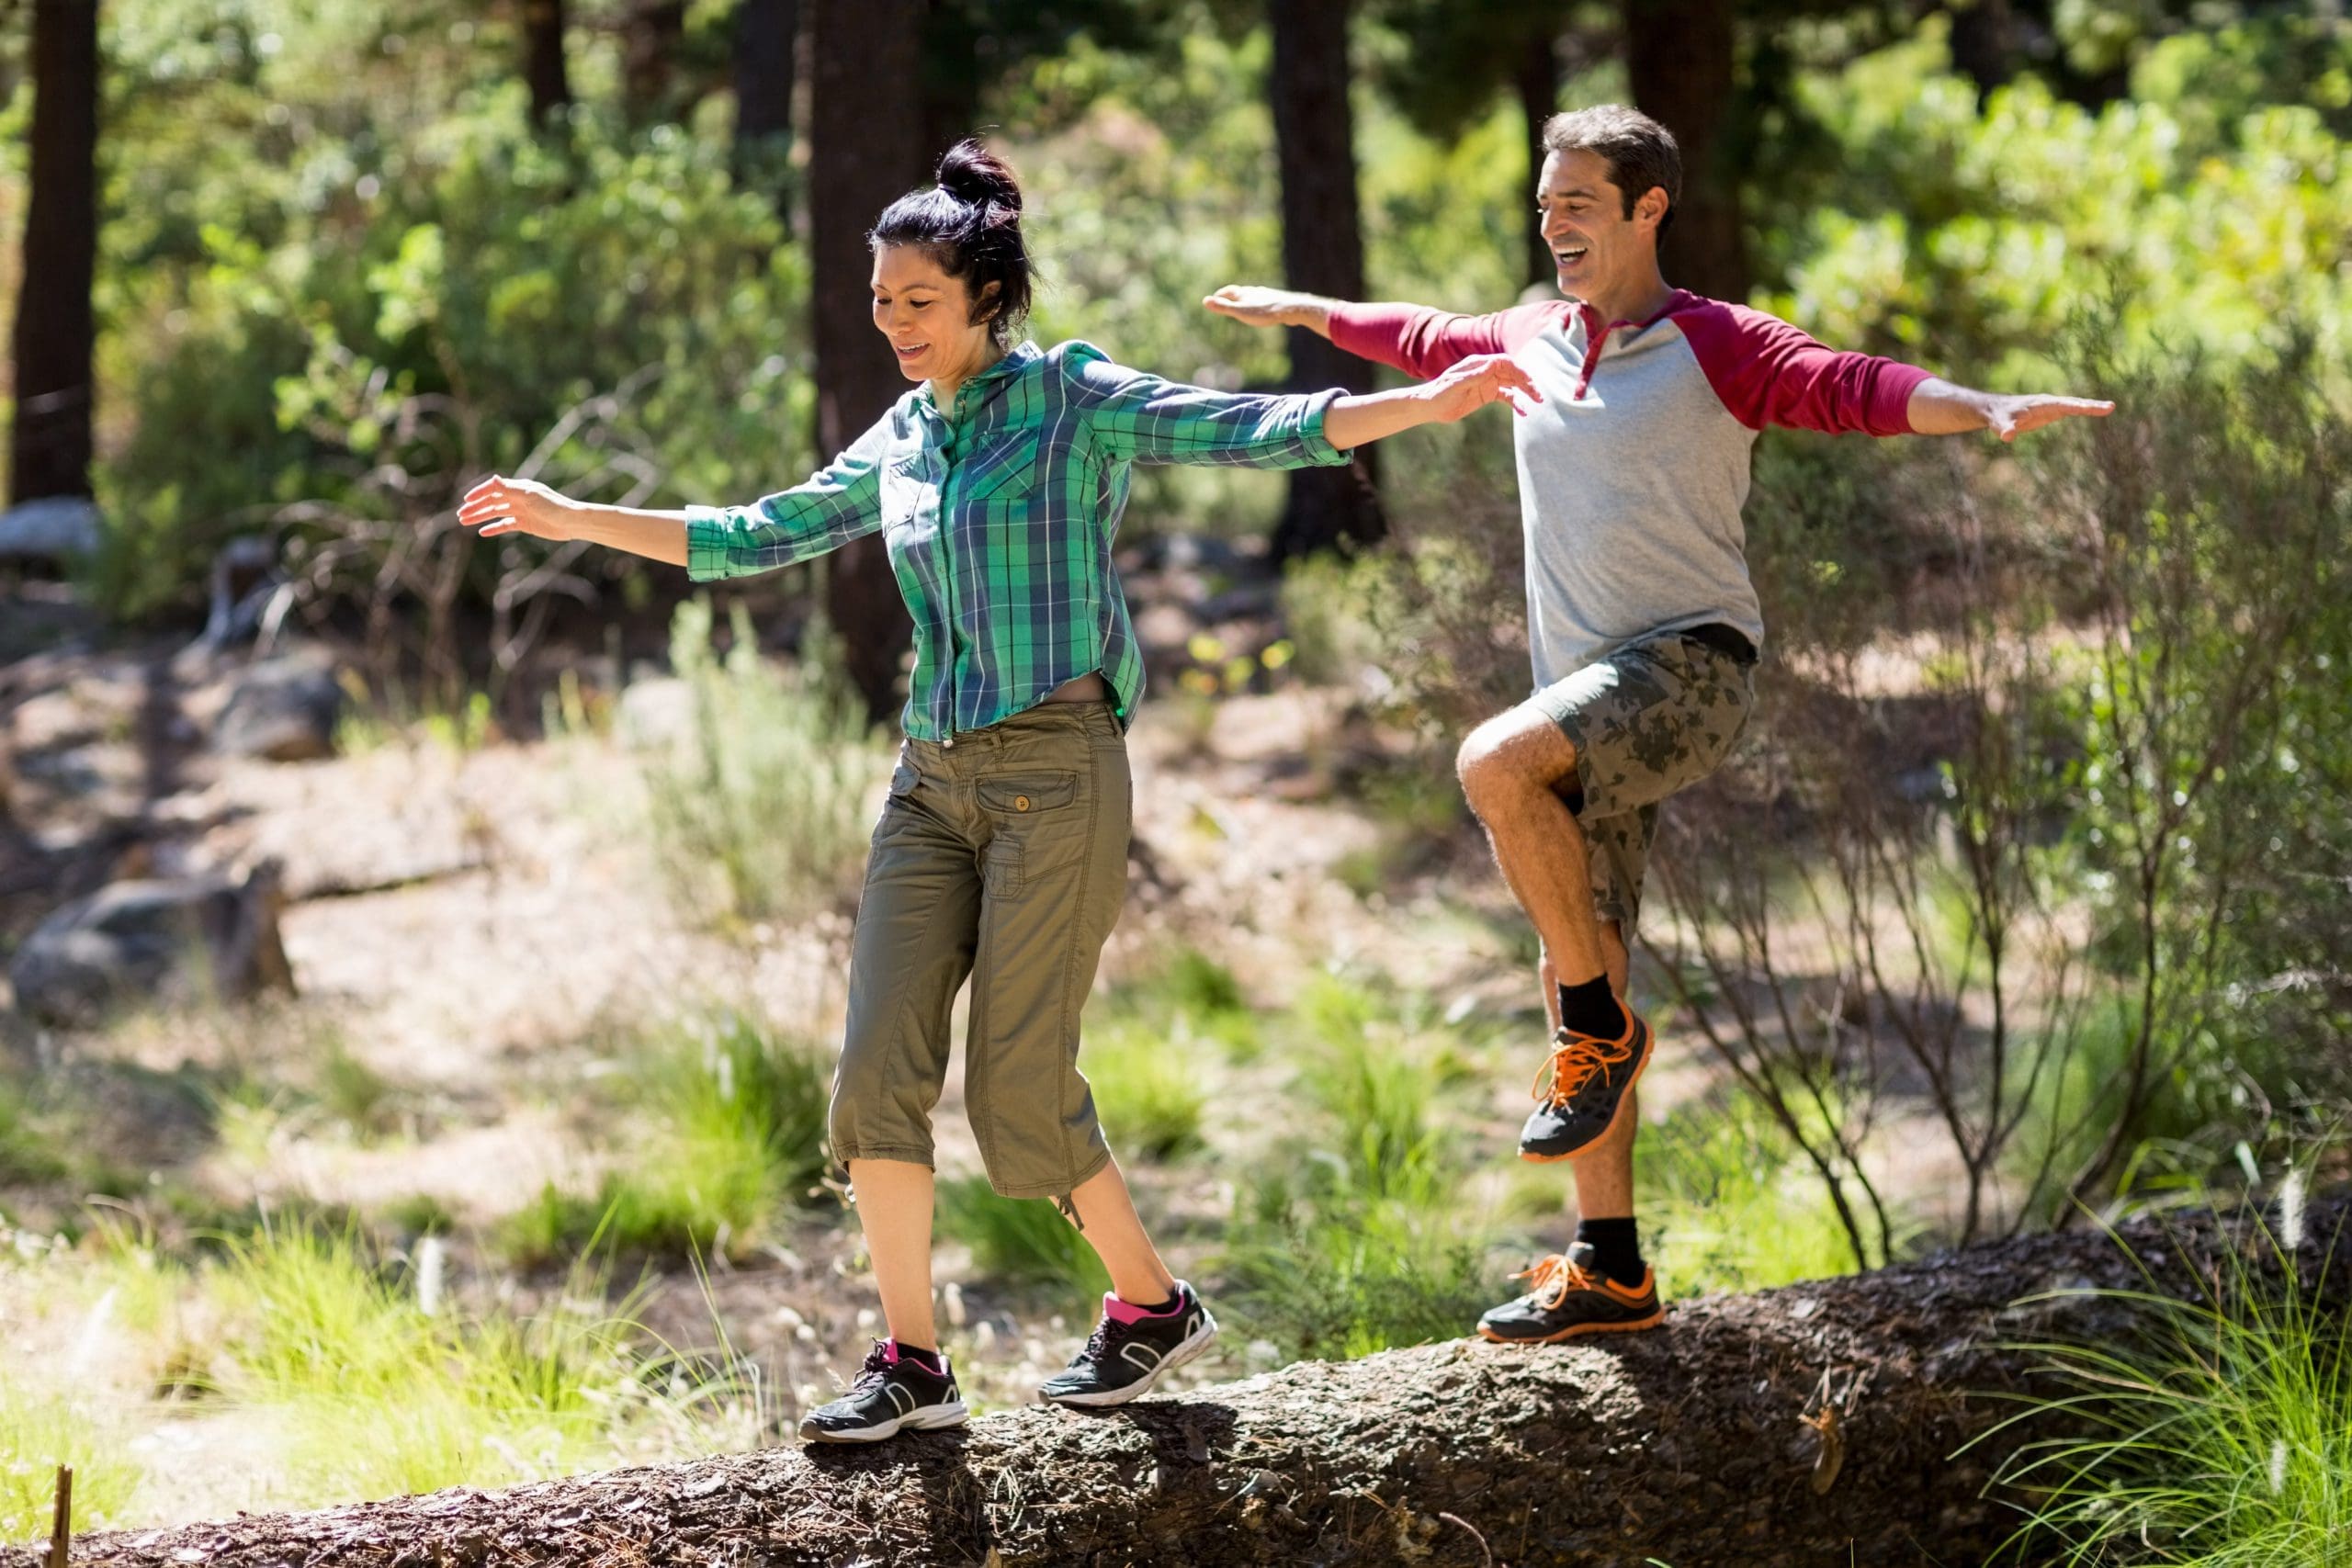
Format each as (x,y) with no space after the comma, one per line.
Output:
(54,529)
(174,940)
(284,709)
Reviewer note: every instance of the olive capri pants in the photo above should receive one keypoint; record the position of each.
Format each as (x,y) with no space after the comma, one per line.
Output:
(1002,855)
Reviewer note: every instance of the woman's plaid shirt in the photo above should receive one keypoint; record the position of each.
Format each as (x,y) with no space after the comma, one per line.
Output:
(998,516)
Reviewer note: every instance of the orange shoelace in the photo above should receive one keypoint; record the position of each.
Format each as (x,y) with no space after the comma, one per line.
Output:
(1551,1279)
(1573,1059)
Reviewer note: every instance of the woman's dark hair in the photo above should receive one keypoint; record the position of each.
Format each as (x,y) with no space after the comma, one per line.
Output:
(970,221)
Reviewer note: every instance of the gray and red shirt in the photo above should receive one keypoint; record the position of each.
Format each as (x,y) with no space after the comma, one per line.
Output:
(1634,469)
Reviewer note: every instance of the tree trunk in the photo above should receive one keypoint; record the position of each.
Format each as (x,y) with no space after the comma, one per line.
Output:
(1679,59)
(1688,1444)
(864,154)
(1537,81)
(1985,44)
(543,66)
(1322,254)
(49,447)
(651,31)
(767,35)
(950,94)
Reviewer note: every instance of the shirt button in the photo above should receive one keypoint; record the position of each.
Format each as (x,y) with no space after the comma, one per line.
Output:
(1021,803)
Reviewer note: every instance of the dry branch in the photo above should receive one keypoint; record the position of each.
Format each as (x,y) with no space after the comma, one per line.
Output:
(1702,1444)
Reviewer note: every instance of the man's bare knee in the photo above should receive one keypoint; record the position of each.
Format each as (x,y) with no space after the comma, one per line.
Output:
(1511,754)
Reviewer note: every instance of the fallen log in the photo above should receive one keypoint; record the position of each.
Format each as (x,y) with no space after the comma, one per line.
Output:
(1701,1444)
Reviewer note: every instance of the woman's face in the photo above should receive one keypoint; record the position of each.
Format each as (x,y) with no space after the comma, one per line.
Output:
(927,316)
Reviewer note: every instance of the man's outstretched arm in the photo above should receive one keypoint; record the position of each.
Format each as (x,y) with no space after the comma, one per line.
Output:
(1421,341)
(1939,408)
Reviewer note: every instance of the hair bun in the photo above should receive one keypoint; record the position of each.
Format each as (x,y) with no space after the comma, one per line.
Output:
(970,173)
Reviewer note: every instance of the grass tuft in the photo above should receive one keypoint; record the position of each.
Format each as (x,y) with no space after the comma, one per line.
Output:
(2218,1435)
(1022,1240)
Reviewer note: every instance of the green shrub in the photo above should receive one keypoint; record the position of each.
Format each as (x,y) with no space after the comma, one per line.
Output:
(757,809)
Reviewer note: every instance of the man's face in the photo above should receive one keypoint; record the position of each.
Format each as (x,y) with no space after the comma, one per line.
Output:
(1599,253)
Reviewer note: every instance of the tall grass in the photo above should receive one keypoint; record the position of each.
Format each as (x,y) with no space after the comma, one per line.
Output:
(381,1395)
(1357,1237)
(757,804)
(735,1134)
(2218,1435)
(42,1428)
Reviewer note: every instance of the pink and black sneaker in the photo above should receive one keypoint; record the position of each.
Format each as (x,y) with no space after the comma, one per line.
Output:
(892,1392)
(1130,1347)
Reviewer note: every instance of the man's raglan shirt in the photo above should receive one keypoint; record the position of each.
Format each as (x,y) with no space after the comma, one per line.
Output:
(1634,469)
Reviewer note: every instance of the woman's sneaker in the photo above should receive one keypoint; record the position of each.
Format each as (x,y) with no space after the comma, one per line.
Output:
(892,1392)
(1122,1361)
(1571,1297)
(1581,1089)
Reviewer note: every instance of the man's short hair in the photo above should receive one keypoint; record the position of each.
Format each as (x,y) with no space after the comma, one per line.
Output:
(1640,152)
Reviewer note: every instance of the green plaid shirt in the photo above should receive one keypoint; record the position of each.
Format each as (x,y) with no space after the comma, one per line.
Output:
(998,515)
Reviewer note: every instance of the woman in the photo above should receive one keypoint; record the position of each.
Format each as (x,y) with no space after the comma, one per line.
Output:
(997,484)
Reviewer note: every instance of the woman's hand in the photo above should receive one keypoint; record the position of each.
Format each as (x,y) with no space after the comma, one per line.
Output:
(501,505)
(1472,383)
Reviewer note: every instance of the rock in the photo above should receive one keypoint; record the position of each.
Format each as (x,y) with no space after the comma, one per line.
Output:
(174,940)
(55,528)
(284,709)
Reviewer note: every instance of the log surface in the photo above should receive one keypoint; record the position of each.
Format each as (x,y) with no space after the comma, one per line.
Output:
(1688,1446)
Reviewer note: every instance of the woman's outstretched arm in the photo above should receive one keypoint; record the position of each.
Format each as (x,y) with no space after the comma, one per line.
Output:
(839,503)
(501,505)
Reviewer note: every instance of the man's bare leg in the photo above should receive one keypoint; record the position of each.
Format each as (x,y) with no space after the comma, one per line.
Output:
(1511,768)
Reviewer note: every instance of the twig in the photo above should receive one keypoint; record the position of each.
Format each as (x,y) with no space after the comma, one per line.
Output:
(1465,1524)
(60,1529)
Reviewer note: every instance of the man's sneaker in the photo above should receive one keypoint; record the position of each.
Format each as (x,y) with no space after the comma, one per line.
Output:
(1122,1361)
(1581,1088)
(1569,1297)
(892,1393)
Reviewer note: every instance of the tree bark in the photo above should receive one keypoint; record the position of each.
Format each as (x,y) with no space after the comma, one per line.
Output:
(1680,61)
(1688,1444)
(651,31)
(1536,79)
(543,66)
(864,154)
(1985,44)
(55,337)
(1322,254)
(767,36)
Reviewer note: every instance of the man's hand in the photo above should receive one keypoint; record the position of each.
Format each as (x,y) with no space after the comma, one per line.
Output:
(2009,418)
(1272,307)
(500,505)
(1939,408)
(1471,384)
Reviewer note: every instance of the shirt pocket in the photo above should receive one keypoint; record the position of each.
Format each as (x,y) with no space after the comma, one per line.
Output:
(1003,471)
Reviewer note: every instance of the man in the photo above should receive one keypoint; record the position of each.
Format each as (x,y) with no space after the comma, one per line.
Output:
(1633,469)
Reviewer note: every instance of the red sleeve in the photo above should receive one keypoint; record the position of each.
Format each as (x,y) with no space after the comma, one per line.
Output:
(1422,342)
(1767,373)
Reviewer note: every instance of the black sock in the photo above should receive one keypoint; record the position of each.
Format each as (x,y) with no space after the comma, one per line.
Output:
(1616,1248)
(1591,1009)
(929,1360)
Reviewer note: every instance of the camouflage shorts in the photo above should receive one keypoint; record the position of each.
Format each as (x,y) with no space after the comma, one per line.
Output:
(1653,717)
